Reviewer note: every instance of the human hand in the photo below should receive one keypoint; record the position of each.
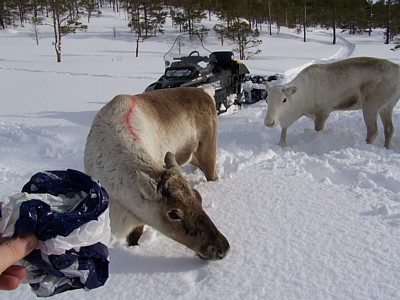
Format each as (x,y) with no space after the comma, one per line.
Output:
(11,251)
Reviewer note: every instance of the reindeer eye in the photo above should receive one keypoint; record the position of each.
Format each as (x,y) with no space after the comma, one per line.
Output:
(175,214)
(284,100)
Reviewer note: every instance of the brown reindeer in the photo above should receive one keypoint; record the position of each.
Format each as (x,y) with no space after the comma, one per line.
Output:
(134,148)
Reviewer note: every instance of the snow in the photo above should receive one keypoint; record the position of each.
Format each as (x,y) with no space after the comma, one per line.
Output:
(319,219)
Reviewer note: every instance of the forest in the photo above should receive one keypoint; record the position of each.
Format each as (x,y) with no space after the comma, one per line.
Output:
(242,20)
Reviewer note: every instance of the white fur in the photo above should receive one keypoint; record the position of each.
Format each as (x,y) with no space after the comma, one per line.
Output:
(365,83)
(209,89)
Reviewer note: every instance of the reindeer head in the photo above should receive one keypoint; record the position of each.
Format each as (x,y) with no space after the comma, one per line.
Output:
(279,99)
(179,213)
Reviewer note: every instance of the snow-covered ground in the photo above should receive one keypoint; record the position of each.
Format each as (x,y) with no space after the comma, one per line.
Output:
(319,219)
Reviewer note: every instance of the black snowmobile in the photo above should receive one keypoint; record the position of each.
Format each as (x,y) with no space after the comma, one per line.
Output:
(189,63)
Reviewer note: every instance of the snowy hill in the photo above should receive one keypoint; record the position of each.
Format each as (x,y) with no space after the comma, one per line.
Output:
(319,219)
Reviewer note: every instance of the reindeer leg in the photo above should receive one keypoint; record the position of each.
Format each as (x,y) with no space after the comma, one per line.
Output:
(320,120)
(122,220)
(134,236)
(370,119)
(206,161)
(386,117)
(282,141)
(205,158)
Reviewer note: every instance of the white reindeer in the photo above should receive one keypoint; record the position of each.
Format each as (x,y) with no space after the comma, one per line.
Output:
(369,84)
(134,148)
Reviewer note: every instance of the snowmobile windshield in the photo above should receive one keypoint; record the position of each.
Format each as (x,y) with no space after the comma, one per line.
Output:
(187,50)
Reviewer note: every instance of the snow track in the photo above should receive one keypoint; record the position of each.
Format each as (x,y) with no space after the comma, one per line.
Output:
(78,74)
(346,50)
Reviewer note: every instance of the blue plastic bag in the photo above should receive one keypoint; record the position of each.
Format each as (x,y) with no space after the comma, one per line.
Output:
(68,212)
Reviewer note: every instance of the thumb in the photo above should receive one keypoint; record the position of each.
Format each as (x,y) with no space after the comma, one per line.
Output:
(14,249)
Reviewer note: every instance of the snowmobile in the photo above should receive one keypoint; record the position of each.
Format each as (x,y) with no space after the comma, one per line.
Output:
(188,63)
(254,88)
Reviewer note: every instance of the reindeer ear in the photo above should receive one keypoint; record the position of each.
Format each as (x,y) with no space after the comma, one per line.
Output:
(147,186)
(171,164)
(289,91)
(170,161)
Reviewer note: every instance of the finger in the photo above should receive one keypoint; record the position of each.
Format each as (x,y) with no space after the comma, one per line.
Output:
(12,250)
(16,271)
(8,282)
(11,277)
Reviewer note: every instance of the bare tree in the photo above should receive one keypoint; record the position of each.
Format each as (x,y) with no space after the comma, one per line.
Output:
(36,21)
(269,17)
(388,20)
(305,20)
(334,21)
(64,22)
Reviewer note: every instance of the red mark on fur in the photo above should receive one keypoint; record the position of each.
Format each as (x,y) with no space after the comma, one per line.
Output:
(128,117)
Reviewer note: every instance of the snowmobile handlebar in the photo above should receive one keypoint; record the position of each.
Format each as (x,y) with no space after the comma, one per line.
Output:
(194,59)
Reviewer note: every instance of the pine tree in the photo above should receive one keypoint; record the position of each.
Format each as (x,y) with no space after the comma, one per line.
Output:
(246,39)
(221,32)
(8,12)
(90,6)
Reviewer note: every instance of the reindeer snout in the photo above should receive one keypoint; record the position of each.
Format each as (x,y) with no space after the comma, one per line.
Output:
(269,123)
(215,252)
(218,253)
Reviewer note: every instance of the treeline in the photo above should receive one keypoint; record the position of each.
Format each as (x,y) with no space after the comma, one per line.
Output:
(241,20)
(353,15)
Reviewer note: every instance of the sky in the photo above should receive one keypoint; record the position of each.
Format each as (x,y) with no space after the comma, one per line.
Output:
(318,219)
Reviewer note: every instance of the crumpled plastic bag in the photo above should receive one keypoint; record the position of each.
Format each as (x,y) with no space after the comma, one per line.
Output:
(68,212)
